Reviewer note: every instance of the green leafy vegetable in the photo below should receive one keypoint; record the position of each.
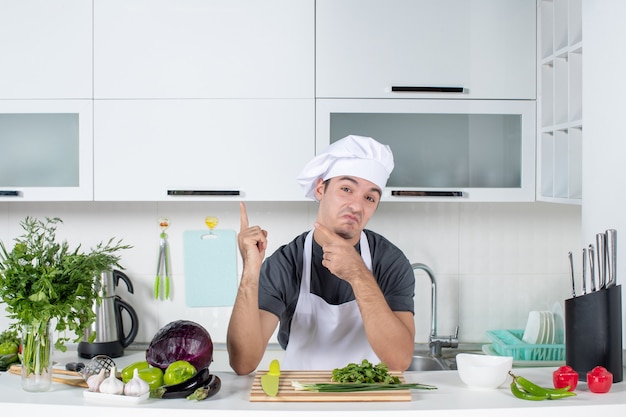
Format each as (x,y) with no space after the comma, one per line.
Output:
(42,280)
(366,372)
(354,387)
(9,336)
(9,342)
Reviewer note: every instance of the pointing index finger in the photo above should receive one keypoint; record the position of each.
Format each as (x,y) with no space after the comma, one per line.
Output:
(243,216)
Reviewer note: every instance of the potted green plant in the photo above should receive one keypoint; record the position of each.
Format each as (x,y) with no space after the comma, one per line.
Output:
(46,285)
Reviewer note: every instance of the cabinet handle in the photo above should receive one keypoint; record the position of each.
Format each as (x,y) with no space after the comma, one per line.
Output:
(203,192)
(409,89)
(402,193)
(9,193)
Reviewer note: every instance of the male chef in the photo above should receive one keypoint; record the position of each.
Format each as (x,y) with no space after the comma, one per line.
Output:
(338,292)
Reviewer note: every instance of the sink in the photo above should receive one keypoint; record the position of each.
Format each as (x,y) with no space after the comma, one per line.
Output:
(427,363)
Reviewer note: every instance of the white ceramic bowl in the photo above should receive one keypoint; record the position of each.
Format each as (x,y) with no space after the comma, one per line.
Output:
(483,371)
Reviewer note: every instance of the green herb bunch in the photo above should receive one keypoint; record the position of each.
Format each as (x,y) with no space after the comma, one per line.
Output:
(365,372)
(42,280)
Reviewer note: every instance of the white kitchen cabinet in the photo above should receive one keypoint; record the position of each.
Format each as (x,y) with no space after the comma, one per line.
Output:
(46,150)
(45,49)
(199,150)
(368,48)
(559,101)
(444,150)
(203,49)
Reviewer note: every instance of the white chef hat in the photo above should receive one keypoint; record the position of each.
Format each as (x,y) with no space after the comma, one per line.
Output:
(356,156)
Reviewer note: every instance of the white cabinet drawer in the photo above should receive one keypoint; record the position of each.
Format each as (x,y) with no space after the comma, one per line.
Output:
(203,49)
(485,47)
(45,49)
(187,150)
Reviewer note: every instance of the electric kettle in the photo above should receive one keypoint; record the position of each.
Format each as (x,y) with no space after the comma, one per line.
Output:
(110,335)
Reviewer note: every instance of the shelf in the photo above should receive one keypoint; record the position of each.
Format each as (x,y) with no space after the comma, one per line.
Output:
(547,96)
(570,201)
(547,164)
(574,124)
(561,90)
(575,174)
(560,105)
(560,19)
(575,86)
(575,21)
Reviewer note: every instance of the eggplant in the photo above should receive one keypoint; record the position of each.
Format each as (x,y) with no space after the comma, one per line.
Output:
(185,388)
(208,390)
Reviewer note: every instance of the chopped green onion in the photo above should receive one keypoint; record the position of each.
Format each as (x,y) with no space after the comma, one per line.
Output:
(353,387)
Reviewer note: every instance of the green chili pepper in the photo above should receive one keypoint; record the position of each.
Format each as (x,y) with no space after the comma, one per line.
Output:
(527,390)
(525,395)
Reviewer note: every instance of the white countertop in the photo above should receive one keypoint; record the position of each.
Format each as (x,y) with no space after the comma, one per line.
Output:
(451,397)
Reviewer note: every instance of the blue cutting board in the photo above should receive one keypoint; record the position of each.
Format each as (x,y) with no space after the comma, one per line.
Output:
(210,268)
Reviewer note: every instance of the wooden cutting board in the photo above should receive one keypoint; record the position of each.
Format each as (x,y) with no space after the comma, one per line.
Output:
(287,393)
(78,381)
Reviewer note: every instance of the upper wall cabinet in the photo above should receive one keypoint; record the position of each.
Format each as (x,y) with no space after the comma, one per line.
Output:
(46,150)
(46,131)
(444,150)
(203,49)
(190,150)
(45,49)
(466,49)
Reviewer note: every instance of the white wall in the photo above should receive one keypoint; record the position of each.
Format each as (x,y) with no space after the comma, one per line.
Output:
(604,111)
(494,261)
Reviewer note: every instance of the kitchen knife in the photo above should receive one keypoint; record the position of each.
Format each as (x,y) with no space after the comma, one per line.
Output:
(269,381)
(571,272)
(601,256)
(592,269)
(584,273)
(611,257)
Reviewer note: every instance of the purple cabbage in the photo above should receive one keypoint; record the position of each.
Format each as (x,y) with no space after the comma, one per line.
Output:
(180,340)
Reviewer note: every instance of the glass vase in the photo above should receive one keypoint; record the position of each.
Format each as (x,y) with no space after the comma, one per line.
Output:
(36,357)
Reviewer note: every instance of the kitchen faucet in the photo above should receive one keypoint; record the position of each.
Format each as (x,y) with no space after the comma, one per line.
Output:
(435,342)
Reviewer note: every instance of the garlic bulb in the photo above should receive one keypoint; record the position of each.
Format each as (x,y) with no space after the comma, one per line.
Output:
(94,381)
(136,387)
(112,385)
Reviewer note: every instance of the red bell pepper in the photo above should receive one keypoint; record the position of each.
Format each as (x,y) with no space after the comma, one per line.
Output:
(599,380)
(565,376)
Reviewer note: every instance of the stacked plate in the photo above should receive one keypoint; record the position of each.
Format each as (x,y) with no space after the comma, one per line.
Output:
(541,342)
(540,328)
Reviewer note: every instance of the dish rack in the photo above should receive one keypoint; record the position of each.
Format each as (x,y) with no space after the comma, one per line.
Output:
(510,343)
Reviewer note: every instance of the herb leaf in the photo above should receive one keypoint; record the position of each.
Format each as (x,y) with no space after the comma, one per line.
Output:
(43,280)
(356,387)
(365,372)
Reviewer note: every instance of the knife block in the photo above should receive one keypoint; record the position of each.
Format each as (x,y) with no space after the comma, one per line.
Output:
(593,332)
